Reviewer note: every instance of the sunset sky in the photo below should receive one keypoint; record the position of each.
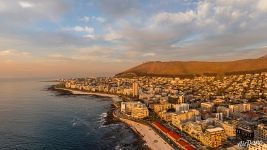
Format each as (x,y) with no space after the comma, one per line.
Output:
(70,38)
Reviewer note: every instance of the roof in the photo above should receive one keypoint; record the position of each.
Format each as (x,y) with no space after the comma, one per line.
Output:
(215,129)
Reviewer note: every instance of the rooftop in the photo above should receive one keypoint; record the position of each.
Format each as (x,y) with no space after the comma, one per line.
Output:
(215,129)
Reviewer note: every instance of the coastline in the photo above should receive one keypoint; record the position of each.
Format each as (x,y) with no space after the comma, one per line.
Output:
(147,137)
(77,92)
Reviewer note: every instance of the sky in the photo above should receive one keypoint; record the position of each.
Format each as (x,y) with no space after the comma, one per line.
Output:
(78,38)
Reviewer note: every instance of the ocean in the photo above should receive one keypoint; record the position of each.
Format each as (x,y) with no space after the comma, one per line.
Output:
(32,118)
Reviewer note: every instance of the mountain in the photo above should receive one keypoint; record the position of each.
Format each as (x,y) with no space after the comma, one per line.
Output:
(263,57)
(185,68)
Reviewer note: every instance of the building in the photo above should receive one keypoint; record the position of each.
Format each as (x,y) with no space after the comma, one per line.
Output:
(194,129)
(208,106)
(123,107)
(178,119)
(213,137)
(181,107)
(135,89)
(218,101)
(219,116)
(166,116)
(238,108)
(134,109)
(140,112)
(67,85)
(162,107)
(261,133)
(229,128)
(245,131)
(224,110)
(181,99)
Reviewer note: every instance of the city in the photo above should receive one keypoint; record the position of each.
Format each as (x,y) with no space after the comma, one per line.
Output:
(133,75)
(201,111)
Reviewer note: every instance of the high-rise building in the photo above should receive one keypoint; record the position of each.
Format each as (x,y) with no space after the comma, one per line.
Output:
(135,89)
(261,133)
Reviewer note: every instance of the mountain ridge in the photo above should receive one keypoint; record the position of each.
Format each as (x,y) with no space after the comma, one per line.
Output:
(263,57)
(182,68)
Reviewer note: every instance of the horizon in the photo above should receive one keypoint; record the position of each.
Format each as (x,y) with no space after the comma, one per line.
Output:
(79,38)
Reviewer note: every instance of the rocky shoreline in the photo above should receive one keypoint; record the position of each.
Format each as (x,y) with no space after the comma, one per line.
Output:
(59,92)
(139,143)
(110,119)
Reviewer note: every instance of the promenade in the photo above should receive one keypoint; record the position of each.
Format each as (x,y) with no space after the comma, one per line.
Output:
(77,92)
(152,139)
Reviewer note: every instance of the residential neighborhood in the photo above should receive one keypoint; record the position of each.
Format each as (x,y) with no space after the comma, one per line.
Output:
(216,112)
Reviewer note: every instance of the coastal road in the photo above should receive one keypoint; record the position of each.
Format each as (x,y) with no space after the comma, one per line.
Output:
(153,140)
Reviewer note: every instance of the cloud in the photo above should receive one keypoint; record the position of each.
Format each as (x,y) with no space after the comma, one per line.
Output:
(211,28)
(112,31)
(262,5)
(119,8)
(148,54)
(85,19)
(96,52)
(25,4)
(90,36)
(5,53)
(58,58)
(99,19)
(82,29)
(13,52)
(177,18)
(92,18)
(112,35)
(88,31)
(14,11)
(11,55)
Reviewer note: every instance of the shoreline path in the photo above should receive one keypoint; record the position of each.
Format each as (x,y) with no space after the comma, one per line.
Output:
(153,140)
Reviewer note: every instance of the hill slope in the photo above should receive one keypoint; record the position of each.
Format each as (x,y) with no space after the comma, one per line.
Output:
(180,68)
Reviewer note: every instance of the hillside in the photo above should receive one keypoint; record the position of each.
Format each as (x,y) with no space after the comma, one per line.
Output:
(184,68)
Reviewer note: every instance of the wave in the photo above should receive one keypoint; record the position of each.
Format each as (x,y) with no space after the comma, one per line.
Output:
(102,120)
